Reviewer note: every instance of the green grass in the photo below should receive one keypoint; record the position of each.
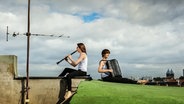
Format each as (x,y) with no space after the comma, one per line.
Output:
(99,92)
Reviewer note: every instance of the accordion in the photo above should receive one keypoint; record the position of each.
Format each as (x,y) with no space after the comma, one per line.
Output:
(113,64)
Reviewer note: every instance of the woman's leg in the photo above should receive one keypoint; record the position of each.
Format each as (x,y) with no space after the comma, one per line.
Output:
(65,71)
(119,80)
(126,80)
(73,74)
(112,79)
(69,81)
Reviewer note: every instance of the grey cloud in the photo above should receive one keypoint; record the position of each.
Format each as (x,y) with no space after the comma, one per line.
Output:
(156,12)
(145,36)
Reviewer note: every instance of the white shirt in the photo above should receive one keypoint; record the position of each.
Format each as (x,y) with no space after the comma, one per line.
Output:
(83,65)
(103,75)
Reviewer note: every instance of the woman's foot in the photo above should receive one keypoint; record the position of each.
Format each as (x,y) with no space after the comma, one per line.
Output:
(142,81)
(68,94)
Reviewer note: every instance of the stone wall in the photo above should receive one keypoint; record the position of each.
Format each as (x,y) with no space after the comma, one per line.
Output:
(43,90)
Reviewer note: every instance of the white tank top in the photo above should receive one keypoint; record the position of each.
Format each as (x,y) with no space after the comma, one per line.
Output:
(83,64)
(103,75)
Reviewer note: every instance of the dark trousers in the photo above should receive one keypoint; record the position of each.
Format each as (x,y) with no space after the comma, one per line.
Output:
(119,80)
(62,91)
(71,73)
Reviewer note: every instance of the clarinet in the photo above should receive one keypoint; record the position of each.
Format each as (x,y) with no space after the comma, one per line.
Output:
(66,57)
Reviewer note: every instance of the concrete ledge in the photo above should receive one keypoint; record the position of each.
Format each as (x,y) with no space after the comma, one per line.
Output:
(87,77)
(8,64)
(77,80)
(43,90)
(36,77)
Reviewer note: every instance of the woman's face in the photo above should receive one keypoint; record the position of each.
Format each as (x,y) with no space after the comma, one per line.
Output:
(106,55)
(78,49)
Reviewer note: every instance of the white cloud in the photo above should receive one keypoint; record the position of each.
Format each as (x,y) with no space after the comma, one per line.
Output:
(140,34)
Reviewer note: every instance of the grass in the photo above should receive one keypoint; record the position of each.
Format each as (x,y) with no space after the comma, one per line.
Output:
(99,92)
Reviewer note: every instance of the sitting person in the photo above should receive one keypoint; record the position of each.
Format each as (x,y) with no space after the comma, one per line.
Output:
(69,73)
(106,73)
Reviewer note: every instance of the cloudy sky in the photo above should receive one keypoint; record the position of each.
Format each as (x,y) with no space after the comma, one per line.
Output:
(145,36)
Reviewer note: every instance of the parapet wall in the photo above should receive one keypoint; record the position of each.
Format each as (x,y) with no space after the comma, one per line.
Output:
(43,90)
(8,88)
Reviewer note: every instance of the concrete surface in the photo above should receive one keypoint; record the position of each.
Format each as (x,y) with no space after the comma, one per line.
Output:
(43,90)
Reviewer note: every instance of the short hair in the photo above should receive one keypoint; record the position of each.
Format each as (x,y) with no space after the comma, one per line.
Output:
(82,47)
(105,51)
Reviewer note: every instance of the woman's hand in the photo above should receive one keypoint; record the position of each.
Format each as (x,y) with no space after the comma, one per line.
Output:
(69,59)
(110,70)
(66,58)
(69,56)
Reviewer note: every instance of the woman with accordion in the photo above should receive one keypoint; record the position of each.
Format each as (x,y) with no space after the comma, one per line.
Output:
(110,70)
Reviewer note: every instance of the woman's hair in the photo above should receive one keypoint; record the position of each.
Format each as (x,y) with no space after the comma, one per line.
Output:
(82,47)
(105,51)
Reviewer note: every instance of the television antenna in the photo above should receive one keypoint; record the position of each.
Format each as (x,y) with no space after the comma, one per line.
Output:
(14,34)
(28,34)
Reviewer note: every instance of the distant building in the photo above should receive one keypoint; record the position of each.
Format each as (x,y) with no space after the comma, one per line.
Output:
(169,74)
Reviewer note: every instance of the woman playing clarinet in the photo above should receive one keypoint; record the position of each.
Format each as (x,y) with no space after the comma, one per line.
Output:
(106,73)
(69,73)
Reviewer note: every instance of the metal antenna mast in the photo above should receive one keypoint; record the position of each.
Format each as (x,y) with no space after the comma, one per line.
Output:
(7,34)
(28,48)
(28,34)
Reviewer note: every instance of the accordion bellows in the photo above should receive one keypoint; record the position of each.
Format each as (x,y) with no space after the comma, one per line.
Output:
(113,64)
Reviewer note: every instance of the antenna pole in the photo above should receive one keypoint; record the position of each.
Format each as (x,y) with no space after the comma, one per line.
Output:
(28,48)
(7,34)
